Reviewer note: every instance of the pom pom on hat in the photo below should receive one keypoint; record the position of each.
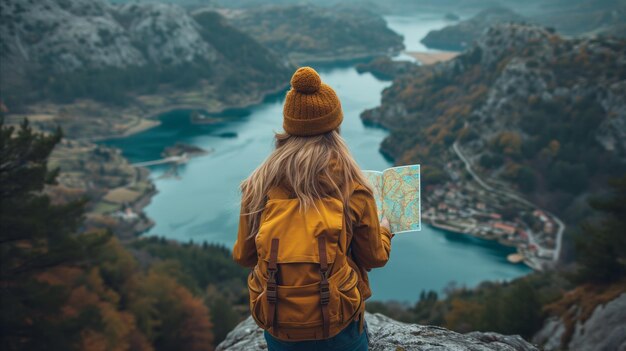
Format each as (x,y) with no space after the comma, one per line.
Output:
(311,107)
(306,80)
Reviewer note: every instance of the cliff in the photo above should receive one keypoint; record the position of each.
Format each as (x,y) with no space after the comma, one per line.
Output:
(545,113)
(117,54)
(306,33)
(461,35)
(586,318)
(388,334)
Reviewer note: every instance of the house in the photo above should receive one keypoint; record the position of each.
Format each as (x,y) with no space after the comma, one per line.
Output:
(504,228)
(495,215)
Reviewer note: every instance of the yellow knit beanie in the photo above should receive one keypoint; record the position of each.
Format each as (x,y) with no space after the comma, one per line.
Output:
(311,107)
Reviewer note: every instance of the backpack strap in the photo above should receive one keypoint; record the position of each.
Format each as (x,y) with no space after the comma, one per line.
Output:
(324,290)
(272,268)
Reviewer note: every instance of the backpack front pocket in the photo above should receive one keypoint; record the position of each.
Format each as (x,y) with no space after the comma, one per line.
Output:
(299,306)
(258,302)
(349,296)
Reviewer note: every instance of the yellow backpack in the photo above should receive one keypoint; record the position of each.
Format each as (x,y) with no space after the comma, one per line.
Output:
(302,287)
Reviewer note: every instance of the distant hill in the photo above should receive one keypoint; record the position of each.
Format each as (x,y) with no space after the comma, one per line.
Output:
(531,108)
(585,17)
(310,33)
(461,35)
(64,50)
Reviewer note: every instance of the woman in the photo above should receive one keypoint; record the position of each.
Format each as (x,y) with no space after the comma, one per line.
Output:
(309,228)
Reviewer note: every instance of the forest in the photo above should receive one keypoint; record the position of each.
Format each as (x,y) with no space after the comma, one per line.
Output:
(63,289)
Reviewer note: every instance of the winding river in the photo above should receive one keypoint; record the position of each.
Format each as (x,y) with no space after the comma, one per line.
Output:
(201,202)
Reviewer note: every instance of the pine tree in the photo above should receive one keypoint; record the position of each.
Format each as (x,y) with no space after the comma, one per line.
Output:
(35,236)
(601,250)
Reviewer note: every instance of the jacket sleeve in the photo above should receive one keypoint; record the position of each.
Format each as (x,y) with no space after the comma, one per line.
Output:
(244,252)
(371,243)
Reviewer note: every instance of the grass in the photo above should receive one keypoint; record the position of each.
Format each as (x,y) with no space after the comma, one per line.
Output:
(122,195)
(105,207)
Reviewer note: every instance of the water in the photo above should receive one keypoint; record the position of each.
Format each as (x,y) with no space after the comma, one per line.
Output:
(203,204)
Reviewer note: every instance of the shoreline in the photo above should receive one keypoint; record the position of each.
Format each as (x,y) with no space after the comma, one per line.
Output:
(142,226)
(525,260)
(151,116)
(301,60)
(430,58)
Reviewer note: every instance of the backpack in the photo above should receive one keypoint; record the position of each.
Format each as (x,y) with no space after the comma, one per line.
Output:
(302,287)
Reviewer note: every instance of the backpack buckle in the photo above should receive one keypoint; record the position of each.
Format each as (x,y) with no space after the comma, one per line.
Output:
(324,293)
(271,294)
(271,286)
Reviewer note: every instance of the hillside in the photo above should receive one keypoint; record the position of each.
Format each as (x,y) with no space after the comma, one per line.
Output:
(129,55)
(585,17)
(309,33)
(461,35)
(528,107)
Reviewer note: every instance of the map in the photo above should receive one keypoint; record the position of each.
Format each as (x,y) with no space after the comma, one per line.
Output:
(397,194)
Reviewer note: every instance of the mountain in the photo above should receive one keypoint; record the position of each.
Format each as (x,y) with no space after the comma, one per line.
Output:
(533,109)
(584,17)
(388,334)
(74,49)
(461,35)
(579,320)
(311,33)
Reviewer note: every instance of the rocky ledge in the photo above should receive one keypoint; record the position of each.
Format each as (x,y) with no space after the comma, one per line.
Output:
(388,334)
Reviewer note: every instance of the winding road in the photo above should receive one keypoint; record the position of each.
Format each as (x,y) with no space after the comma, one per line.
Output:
(511,195)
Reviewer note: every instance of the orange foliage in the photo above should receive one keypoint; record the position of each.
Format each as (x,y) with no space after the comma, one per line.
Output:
(578,305)
(463,315)
(510,143)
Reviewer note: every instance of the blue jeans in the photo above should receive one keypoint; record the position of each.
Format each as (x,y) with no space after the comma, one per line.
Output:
(348,339)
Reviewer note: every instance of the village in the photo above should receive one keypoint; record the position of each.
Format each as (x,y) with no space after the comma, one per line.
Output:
(464,206)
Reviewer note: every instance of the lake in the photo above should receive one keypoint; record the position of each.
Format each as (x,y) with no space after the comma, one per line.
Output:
(202,202)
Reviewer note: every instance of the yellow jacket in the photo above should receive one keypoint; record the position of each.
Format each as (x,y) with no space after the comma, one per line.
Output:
(369,243)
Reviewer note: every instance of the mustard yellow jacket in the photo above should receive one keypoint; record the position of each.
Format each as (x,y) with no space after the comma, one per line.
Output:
(370,244)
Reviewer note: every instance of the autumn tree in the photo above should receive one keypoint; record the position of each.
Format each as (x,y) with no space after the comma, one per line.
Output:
(36,236)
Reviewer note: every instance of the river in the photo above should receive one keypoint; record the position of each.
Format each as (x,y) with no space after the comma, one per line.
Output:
(202,203)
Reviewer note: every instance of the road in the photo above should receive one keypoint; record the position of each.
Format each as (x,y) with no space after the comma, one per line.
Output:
(560,224)
(171,159)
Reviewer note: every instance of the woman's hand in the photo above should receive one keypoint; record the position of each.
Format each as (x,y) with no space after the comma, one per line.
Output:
(385,223)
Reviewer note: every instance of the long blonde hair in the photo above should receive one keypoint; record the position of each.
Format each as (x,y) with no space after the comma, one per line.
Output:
(310,167)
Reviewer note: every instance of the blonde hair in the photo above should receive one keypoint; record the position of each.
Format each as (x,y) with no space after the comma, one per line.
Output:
(310,167)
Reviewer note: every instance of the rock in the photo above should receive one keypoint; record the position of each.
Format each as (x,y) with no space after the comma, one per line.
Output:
(604,330)
(388,334)
(513,74)
(63,50)
(165,33)
(66,35)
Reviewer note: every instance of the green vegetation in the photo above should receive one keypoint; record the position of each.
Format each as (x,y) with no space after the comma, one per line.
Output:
(508,308)
(68,291)
(520,306)
(602,247)
(309,33)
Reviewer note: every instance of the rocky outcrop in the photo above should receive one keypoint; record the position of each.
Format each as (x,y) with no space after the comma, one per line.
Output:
(165,33)
(65,35)
(461,35)
(388,334)
(552,108)
(604,330)
(69,49)
(305,33)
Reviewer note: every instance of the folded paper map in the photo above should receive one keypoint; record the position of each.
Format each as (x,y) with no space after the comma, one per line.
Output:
(397,194)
